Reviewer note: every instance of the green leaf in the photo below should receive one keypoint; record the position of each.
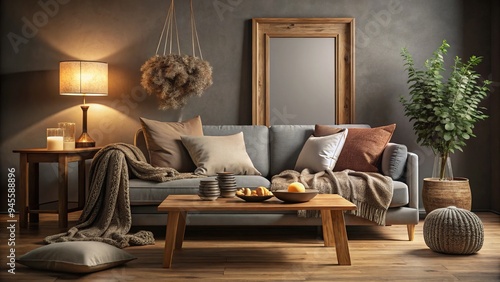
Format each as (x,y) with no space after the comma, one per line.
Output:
(449,126)
(443,111)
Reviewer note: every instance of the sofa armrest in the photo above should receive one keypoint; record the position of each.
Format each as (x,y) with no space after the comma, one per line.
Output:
(140,142)
(411,179)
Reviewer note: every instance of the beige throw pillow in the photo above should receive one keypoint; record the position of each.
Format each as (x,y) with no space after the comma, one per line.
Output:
(75,257)
(163,140)
(213,154)
(321,153)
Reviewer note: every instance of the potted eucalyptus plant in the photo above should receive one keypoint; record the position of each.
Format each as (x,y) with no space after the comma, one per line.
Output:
(443,113)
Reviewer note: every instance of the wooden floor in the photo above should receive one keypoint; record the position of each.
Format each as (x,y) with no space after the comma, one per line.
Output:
(276,254)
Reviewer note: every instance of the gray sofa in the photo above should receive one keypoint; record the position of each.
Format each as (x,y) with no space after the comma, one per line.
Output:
(272,150)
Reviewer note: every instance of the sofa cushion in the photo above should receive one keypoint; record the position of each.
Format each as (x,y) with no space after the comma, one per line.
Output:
(153,193)
(286,142)
(363,147)
(163,140)
(394,160)
(400,196)
(75,257)
(213,154)
(321,153)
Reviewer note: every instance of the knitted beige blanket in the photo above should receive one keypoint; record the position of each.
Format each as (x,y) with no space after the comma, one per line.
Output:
(106,216)
(370,192)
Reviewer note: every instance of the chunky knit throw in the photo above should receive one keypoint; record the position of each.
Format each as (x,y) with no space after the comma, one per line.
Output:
(106,216)
(371,192)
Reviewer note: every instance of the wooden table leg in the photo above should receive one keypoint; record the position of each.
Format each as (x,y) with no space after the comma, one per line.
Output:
(34,191)
(181,229)
(63,191)
(340,234)
(172,225)
(23,190)
(327,225)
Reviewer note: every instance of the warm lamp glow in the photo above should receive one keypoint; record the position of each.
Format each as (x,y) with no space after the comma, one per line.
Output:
(83,78)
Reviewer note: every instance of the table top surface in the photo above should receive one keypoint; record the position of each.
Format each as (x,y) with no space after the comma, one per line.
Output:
(194,203)
(45,151)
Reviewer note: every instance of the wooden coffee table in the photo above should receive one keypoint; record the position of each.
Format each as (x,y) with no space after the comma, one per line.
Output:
(331,206)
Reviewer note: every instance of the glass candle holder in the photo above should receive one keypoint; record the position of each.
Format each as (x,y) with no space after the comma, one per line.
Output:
(69,135)
(55,139)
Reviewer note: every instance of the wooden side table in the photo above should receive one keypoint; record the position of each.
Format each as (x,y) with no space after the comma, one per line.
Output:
(29,181)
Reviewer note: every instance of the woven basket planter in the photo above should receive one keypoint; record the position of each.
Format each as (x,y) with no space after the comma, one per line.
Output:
(441,194)
(453,230)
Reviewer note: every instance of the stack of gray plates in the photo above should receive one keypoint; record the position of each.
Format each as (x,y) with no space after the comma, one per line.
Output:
(209,190)
(227,184)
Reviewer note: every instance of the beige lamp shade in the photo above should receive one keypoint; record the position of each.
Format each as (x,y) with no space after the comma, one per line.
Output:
(83,78)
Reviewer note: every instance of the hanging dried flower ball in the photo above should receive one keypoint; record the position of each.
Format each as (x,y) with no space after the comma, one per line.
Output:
(175,78)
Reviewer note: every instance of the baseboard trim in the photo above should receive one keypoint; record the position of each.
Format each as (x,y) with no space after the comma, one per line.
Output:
(422,214)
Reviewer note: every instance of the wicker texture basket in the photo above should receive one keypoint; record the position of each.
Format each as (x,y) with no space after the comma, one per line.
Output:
(453,230)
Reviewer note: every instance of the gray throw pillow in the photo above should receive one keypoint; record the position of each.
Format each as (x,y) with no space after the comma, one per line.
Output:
(394,160)
(75,257)
(212,154)
(321,153)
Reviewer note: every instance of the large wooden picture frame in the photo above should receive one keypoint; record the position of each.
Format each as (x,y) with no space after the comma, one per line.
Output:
(341,29)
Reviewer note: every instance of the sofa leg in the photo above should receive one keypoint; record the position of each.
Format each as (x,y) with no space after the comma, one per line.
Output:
(411,231)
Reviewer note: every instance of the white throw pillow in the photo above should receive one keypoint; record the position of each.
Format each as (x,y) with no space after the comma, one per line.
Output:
(321,153)
(212,154)
(75,257)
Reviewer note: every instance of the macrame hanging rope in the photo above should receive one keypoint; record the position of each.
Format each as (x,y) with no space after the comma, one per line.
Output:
(168,26)
(173,78)
(194,32)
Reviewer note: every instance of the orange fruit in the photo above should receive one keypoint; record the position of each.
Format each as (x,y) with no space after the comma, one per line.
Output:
(296,187)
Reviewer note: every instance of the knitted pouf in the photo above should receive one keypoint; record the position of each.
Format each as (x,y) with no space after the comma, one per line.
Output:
(453,230)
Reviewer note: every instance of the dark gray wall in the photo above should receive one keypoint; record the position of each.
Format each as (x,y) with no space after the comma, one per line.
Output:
(125,33)
(495,101)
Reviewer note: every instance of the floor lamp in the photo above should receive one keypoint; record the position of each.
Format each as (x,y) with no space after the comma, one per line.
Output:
(83,78)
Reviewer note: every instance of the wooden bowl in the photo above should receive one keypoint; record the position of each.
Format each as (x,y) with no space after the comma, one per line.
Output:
(295,197)
(254,198)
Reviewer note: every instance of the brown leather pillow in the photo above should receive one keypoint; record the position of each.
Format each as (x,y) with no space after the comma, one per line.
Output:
(163,140)
(363,146)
